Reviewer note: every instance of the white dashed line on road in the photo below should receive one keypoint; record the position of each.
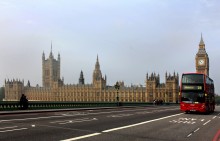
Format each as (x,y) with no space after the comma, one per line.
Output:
(189,135)
(141,123)
(119,128)
(207,122)
(8,127)
(82,137)
(13,130)
(196,130)
(120,115)
(74,121)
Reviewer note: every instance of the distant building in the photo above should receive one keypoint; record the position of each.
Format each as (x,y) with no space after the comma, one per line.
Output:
(167,91)
(54,89)
(202,59)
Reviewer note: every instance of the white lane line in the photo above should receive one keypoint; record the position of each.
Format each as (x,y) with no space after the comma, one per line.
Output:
(60,121)
(8,127)
(32,118)
(13,130)
(193,132)
(120,115)
(143,112)
(82,137)
(72,121)
(48,117)
(132,125)
(214,117)
(207,122)
(189,135)
(114,129)
(196,130)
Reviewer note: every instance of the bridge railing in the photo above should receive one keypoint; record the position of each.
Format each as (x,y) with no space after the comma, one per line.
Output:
(35,105)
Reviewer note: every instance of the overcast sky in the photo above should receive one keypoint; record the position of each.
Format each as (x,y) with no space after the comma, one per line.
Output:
(131,38)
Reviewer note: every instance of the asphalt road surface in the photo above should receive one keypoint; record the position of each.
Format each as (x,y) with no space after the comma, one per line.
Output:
(150,123)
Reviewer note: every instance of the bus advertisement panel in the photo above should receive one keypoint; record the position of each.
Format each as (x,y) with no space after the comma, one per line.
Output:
(196,93)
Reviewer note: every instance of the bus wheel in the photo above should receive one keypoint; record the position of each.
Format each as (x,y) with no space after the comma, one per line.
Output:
(186,112)
(212,111)
(207,111)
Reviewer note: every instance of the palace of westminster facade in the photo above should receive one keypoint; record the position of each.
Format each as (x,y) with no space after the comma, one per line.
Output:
(54,89)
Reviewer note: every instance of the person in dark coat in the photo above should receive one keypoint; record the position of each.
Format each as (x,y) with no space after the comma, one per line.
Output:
(23,102)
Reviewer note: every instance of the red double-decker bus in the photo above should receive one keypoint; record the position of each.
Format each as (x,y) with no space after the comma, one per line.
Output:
(197,93)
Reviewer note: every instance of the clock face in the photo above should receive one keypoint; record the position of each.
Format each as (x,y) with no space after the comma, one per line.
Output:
(201,62)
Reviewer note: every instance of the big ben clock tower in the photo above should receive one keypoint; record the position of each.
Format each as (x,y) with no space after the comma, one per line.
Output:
(202,59)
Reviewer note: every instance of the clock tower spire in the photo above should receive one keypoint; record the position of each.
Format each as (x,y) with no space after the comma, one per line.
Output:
(202,59)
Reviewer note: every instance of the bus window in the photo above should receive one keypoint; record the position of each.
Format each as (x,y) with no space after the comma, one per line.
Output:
(191,97)
(192,78)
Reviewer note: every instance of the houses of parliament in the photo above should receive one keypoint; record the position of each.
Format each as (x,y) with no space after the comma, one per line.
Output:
(54,88)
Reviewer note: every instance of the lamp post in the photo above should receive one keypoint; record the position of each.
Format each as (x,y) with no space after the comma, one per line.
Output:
(117,87)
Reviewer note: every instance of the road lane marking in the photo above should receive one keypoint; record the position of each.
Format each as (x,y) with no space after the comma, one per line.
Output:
(82,137)
(8,127)
(13,130)
(154,111)
(141,123)
(120,115)
(73,121)
(207,122)
(214,117)
(143,112)
(123,127)
(60,121)
(68,115)
(184,120)
(193,132)
(196,130)
(78,121)
(31,118)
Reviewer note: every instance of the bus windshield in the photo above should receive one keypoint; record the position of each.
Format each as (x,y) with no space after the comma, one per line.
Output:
(192,78)
(192,97)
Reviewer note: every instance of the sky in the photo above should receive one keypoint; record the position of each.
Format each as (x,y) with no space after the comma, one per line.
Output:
(130,37)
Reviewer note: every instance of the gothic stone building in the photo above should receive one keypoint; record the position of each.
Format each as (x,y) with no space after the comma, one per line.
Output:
(202,59)
(54,89)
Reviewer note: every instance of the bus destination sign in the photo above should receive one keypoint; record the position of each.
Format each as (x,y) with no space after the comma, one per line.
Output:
(189,87)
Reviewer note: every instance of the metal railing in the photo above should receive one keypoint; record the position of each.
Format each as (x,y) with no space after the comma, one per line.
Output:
(35,105)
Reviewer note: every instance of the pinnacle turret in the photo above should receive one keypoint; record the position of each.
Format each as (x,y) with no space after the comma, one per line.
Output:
(81,78)
(201,41)
(51,51)
(97,66)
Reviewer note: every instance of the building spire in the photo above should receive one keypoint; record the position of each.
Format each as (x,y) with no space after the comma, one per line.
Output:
(201,40)
(51,51)
(97,60)
(43,56)
(97,66)
(81,78)
(51,46)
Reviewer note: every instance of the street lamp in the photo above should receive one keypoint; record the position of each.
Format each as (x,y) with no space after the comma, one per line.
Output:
(117,87)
